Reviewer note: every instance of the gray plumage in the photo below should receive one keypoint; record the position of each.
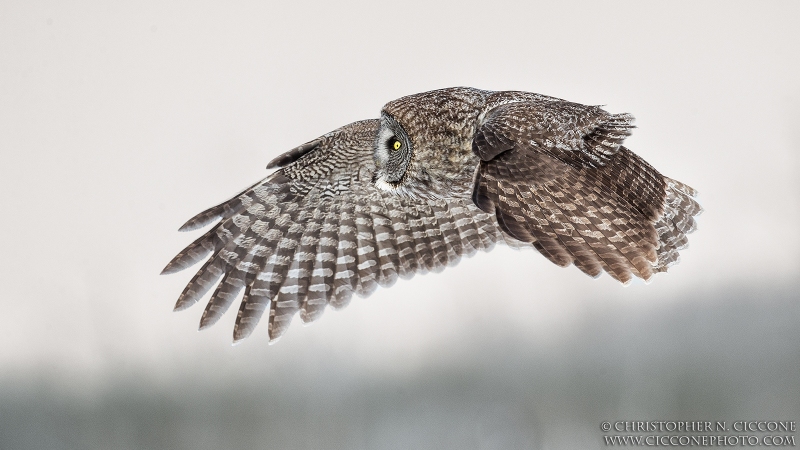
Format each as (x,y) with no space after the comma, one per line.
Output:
(441,175)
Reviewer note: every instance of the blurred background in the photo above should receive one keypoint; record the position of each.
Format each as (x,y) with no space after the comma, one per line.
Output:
(121,120)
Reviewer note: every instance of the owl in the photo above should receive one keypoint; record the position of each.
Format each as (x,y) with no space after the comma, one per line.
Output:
(439,176)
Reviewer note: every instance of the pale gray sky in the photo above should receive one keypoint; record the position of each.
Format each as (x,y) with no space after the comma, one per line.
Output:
(119,121)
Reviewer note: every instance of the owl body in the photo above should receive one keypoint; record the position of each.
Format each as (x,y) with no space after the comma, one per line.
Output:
(439,176)
(441,125)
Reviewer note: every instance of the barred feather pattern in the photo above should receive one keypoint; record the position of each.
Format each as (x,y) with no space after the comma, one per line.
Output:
(556,174)
(601,210)
(441,175)
(316,232)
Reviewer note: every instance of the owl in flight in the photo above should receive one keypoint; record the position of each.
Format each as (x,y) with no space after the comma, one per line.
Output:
(441,175)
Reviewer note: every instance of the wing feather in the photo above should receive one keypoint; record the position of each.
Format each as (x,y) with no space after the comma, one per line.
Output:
(433,236)
(195,252)
(449,232)
(272,259)
(422,248)
(345,281)
(222,299)
(320,289)
(201,282)
(578,240)
(283,308)
(368,267)
(386,245)
(401,225)
(555,174)
(488,230)
(607,230)
(225,209)
(465,226)
(318,231)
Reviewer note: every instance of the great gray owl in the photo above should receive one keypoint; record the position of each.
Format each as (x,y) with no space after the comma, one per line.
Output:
(441,175)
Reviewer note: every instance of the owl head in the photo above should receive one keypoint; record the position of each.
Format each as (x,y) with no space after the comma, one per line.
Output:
(424,144)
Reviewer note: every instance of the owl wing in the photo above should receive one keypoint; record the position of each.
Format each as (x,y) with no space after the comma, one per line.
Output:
(317,231)
(555,174)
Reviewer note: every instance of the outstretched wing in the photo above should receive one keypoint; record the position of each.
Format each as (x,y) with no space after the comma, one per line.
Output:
(317,231)
(556,175)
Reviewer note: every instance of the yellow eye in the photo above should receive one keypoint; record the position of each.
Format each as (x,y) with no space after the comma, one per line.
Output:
(396,144)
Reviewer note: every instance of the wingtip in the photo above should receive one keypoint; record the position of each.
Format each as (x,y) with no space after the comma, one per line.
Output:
(170,269)
(181,305)
(205,323)
(240,334)
(190,225)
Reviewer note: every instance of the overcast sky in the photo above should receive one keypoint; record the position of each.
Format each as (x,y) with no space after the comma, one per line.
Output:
(120,120)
